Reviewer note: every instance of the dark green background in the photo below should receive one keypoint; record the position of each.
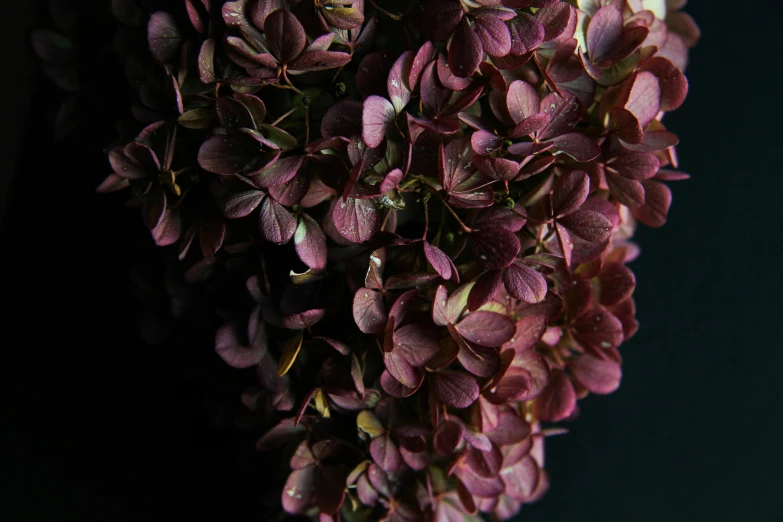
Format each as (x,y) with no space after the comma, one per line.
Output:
(99,426)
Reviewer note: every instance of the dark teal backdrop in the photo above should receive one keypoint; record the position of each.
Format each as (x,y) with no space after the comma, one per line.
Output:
(100,426)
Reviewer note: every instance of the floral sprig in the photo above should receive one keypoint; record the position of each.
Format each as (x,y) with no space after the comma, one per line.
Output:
(431,205)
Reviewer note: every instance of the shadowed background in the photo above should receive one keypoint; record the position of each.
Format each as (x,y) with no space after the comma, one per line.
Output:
(101,426)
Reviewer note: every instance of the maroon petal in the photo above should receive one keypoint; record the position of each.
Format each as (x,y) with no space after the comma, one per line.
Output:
(416,343)
(224,155)
(319,61)
(242,204)
(298,490)
(426,54)
(557,401)
(456,388)
(657,200)
(485,142)
(168,229)
(569,192)
(356,220)
(511,428)
(486,328)
(395,388)
(304,320)
(564,113)
(402,370)
(588,225)
(674,84)
(485,288)
(434,95)
(599,376)
(576,145)
(556,19)
(377,117)
(598,330)
(385,453)
(603,32)
(524,283)
(527,33)
(235,355)
(493,34)
(439,261)
(310,243)
(653,141)
(465,51)
(163,36)
(285,35)
(522,100)
(276,222)
(397,82)
(521,479)
(448,437)
(369,311)
(496,168)
(479,486)
(495,248)
(485,464)
(639,166)
(643,99)
(437,18)
(629,192)
(479,360)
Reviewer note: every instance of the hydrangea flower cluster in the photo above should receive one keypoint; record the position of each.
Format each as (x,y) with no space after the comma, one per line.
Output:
(424,212)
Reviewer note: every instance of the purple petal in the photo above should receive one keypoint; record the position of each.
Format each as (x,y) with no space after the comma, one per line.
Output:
(437,18)
(456,388)
(557,401)
(598,330)
(486,328)
(524,283)
(485,288)
(235,355)
(569,192)
(426,54)
(494,35)
(643,99)
(402,370)
(298,490)
(576,145)
(603,32)
(377,117)
(397,82)
(168,229)
(448,437)
(522,100)
(511,429)
(495,248)
(439,260)
(369,311)
(639,166)
(588,225)
(242,204)
(163,36)
(416,343)
(629,192)
(433,94)
(319,61)
(224,155)
(276,222)
(285,35)
(465,51)
(527,33)
(564,112)
(599,376)
(657,200)
(385,454)
(355,219)
(310,243)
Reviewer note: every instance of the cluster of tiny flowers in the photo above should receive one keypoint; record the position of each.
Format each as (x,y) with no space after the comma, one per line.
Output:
(425,208)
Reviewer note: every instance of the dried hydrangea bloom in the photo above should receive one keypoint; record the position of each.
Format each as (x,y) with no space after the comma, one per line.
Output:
(419,221)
